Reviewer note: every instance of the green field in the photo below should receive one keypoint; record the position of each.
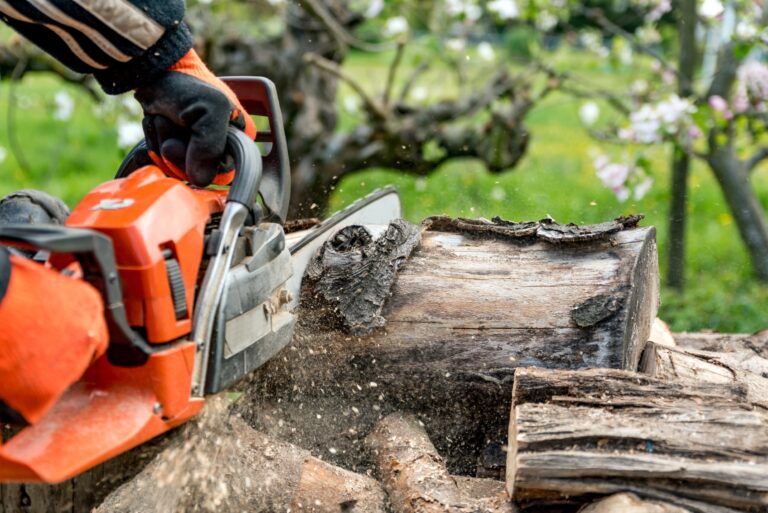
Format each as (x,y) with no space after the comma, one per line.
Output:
(555,178)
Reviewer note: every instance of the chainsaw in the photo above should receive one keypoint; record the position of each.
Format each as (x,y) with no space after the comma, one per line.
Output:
(200,287)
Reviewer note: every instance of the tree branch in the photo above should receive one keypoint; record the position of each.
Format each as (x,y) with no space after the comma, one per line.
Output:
(341,35)
(415,74)
(754,160)
(393,67)
(610,27)
(331,67)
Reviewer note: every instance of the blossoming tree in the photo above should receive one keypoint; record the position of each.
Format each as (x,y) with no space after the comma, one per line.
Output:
(717,113)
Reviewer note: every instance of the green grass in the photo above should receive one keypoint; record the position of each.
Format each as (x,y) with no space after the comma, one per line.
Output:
(555,178)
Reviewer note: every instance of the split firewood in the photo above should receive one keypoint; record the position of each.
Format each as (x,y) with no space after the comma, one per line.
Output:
(220,464)
(574,434)
(725,342)
(465,310)
(414,475)
(739,369)
(630,503)
(661,334)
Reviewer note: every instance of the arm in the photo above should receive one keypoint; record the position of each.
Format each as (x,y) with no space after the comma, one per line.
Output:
(144,46)
(124,44)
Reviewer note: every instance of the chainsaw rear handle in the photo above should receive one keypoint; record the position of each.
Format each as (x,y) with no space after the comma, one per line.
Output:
(96,256)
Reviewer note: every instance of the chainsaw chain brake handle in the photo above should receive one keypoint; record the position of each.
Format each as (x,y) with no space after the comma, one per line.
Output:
(96,256)
(258,97)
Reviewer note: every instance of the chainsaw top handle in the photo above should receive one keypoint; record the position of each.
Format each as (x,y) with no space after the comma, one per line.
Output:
(244,152)
(245,185)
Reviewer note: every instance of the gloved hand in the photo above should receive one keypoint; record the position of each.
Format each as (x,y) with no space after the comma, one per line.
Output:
(186,115)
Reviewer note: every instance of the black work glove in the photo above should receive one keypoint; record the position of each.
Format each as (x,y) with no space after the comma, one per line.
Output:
(186,115)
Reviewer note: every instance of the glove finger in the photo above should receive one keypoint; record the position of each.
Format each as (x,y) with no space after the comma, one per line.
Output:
(207,145)
(175,151)
(150,135)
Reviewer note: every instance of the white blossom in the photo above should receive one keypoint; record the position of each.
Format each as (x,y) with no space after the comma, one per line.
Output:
(351,104)
(643,187)
(485,51)
(746,30)
(589,112)
(374,8)
(650,122)
(711,8)
(420,93)
(467,8)
(456,44)
(65,106)
(546,21)
(396,26)
(3,154)
(504,9)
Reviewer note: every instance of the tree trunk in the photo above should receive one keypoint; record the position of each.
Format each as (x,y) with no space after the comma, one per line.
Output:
(748,212)
(681,162)
(465,311)
(575,434)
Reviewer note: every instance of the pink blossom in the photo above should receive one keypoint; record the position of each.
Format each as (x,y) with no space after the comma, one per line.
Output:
(622,193)
(694,132)
(613,176)
(717,103)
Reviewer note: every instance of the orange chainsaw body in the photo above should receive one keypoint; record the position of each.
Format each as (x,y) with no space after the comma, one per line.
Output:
(113,409)
(141,240)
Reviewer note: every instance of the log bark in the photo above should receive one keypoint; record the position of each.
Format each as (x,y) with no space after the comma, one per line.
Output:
(222,465)
(576,434)
(414,475)
(466,310)
(739,369)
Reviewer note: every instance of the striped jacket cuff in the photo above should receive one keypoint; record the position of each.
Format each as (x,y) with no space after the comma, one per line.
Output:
(147,68)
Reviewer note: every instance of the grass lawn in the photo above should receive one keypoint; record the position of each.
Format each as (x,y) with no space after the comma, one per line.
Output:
(555,178)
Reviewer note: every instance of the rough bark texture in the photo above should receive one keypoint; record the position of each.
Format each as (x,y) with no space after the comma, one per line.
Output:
(630,503)
(742,369)
(222,465)
(465,312)
(413,473)
(576,434)
(352,274)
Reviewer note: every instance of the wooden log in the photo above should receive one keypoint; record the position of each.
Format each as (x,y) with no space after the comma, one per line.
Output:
(725,342)
(576,434)
(222,465)
(739,369)
(630,503)
(414,475)
(465,311)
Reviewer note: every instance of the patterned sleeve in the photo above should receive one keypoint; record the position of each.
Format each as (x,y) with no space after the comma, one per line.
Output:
(125,44)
